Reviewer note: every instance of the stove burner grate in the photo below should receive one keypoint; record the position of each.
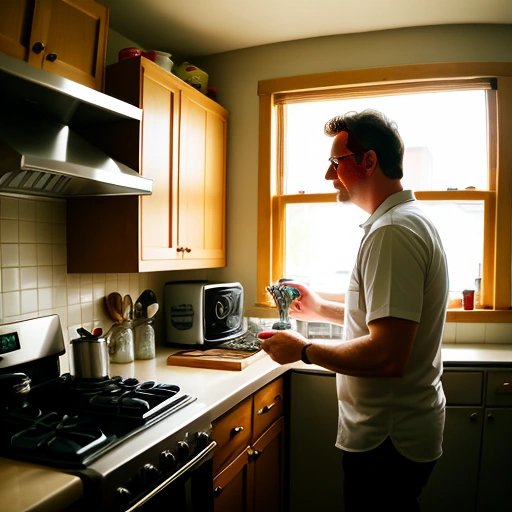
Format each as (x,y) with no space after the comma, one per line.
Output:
(57,435)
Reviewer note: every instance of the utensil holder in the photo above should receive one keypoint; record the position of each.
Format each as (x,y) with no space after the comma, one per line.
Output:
(121,343)
(144,339)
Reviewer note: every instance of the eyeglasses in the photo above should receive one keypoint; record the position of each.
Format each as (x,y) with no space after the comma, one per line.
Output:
(335,160)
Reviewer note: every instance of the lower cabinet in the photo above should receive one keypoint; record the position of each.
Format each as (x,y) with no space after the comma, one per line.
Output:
(315,472)
(495,480)
(474,474)
(248,464)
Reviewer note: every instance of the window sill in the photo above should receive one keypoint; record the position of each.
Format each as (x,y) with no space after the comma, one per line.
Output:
(479,316)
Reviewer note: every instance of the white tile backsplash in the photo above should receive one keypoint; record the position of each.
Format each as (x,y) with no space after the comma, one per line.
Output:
(498,333)
(11,255)
(449,333)
(27,231)
(10,279)
(9,232)
(470,333)
(28,278)
(28,255)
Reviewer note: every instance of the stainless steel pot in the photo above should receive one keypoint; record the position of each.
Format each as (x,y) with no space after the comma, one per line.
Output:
(90,356)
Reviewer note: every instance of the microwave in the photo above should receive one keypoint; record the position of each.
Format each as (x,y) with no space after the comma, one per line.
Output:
(202,313)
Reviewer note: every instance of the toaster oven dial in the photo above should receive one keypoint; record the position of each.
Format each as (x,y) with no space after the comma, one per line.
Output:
(224,307)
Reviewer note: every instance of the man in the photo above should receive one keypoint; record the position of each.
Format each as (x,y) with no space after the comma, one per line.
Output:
(391,401)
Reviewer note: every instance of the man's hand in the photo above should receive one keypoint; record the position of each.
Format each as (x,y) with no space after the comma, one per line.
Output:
(282,346)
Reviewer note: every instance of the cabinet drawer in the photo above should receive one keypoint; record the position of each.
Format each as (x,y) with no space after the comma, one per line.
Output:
(268,406)
(232,433)
(499,387)
(463,388)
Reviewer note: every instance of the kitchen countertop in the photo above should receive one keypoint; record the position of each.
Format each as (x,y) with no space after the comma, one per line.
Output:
(35,488)
(30,487)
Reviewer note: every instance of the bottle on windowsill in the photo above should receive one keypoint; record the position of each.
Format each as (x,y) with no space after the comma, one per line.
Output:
(478,286)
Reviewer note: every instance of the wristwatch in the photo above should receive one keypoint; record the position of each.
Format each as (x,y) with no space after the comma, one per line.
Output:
(304,355)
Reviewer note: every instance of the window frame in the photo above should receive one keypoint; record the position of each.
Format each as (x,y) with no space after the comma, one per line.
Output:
(496,292)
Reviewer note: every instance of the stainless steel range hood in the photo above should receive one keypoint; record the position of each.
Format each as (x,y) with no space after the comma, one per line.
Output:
(41,152)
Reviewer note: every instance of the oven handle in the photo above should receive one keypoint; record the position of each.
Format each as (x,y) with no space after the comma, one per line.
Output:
(196,461)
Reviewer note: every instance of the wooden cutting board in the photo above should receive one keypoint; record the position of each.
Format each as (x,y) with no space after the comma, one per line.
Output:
(215,358)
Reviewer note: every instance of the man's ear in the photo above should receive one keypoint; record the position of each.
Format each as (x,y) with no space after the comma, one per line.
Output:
(369,162)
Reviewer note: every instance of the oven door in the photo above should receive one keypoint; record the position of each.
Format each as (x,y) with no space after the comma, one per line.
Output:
(190,489)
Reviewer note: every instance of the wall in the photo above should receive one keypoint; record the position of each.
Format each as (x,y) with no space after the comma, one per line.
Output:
(236,75)
(34,279)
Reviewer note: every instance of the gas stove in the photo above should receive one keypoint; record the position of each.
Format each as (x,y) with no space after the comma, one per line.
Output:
(116,433)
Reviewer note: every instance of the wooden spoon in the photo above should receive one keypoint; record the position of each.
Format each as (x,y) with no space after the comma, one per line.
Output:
(114,305)
(127,308)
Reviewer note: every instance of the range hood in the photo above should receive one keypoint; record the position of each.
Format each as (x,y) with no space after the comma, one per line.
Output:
(41,151)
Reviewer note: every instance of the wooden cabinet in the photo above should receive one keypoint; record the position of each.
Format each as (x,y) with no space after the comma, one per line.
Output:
(248,465)
(472,474)
(65,37)
(182,147)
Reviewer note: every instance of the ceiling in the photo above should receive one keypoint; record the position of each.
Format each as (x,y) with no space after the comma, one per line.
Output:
(204,27)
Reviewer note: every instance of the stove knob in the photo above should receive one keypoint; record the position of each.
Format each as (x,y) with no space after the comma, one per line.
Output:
(167,460)
(183,451)
(123,495)
(148,473)
(202,440)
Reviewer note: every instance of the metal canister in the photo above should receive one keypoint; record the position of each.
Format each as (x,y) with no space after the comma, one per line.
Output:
(90,356)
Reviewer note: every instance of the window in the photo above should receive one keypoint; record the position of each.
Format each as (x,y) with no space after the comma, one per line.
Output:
(452,162)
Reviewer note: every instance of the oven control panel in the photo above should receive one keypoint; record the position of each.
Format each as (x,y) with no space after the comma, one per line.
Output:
(155,474)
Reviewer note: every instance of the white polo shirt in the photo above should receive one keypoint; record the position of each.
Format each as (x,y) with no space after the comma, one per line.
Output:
(401,272)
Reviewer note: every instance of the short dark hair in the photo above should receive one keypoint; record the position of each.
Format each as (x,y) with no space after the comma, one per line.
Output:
(371,129)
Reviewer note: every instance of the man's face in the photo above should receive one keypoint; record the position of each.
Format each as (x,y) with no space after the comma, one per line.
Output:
(343,172)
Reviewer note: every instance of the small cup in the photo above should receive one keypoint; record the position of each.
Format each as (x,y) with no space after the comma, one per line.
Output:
(468,299)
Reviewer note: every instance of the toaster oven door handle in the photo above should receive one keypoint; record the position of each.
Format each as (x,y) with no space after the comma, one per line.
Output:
(189,466)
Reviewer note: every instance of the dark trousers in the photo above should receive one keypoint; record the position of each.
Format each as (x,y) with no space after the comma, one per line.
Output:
(383,480)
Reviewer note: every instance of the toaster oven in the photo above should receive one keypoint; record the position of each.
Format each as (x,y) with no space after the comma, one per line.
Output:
(203,313)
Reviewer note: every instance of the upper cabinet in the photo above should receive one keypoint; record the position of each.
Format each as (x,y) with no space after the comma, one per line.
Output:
(182,148)
(65,37)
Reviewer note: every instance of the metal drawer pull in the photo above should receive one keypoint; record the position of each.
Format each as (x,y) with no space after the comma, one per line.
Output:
(253,454)
(266,408)
(38,47)
(236,430)
(504,389)
(218,491)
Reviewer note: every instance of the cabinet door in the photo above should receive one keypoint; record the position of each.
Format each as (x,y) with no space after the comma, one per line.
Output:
(267,469)
(159,162)
(316,475)
(268,406)
(453,483)
(15,25)
(232,486)
(72,35)
(495,474)
(232,431)
(201,228)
